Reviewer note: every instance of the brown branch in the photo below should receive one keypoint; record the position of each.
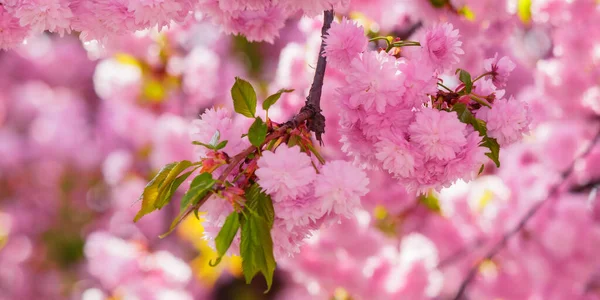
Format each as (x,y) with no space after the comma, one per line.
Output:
(530,213)
(585,187)
(460,253)
(310,113)
(316,123)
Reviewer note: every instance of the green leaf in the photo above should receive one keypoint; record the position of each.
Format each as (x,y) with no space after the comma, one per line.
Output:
(226,236)
(244,98)
(256,249)
(257,132)
(157,192)
(481,169)
(431,201)
(273,98)
(494,147)
(465,116)
(221,145)
(201,185)
(465,78)
(260,203)
(203,144)
(168,193)
(171,183)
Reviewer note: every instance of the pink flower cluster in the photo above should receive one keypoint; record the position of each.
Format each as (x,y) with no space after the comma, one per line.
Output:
(387,120)
(258,20)
(261,20)
(305,194)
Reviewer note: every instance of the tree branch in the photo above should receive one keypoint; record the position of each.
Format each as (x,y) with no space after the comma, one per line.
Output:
(530,213)
(312,106)
(585,187)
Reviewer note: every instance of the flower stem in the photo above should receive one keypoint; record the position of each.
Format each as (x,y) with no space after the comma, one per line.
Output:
(480,100)
(481,76)
(445,87)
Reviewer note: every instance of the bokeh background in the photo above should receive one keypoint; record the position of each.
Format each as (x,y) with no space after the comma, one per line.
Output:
(84,126)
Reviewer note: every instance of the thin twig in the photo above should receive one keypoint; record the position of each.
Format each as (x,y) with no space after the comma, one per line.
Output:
(530,213)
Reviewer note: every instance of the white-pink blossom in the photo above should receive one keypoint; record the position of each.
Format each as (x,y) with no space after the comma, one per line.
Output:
(439,134)
(339,187)
(286,173)
(343,43)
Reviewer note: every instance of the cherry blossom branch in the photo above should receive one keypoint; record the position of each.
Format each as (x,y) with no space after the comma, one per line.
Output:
(312,107)
(460,253)
(530,213)
(310,113)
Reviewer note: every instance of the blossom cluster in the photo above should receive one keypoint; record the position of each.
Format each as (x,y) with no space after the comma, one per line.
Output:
(258,20)
(394,118)
(305,194)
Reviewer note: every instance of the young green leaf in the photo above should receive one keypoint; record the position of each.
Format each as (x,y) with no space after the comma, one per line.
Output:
(168,193)
(244,98)
(260,203)
(160,189)
(203,144)
(494,147)
(164,191)
(151,192)
(226,236)
(465,78)
(257,132)
(221,145)
(273,98)
(465,116)
(256,249)
(201,185)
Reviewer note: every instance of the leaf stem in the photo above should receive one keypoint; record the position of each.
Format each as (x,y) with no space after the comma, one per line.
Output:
(445,87)
(480,100)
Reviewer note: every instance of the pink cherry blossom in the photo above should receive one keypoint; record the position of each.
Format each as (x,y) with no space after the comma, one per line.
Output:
(499,68)
(397,156)
(344,42)
(52,15)
(257,25)
(339,187)
(158,12)
(286,173)
(374,82)
(12,33)
(438,133)
(441,46)
(507,120)
(211,121)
